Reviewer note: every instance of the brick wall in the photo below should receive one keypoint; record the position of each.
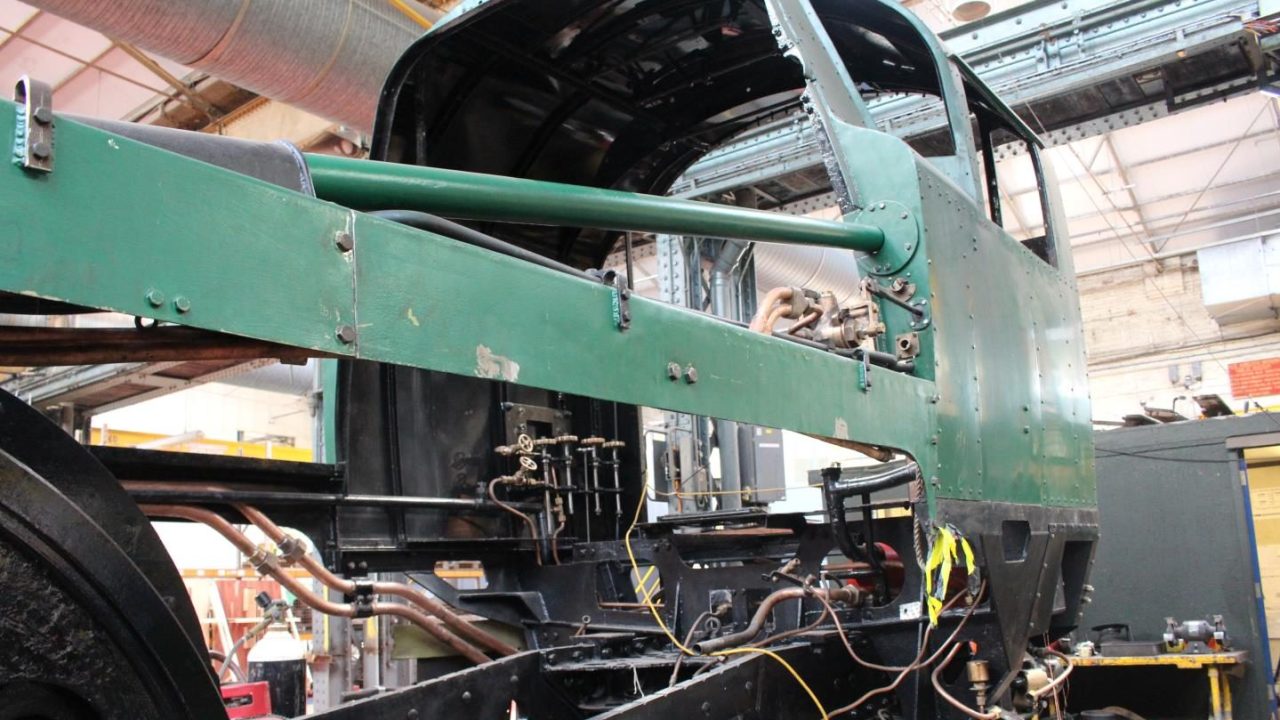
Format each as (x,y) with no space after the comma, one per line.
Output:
(1139,322)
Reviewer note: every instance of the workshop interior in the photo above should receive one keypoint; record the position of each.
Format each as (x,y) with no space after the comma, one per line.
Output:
(640,359)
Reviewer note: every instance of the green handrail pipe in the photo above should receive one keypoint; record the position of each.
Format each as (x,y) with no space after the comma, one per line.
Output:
(370,185)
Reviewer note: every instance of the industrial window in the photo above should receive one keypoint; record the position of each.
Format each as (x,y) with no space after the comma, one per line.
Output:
(1013,184)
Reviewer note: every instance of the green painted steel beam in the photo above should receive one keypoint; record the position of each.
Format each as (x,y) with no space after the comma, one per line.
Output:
(114,228)
(369,185)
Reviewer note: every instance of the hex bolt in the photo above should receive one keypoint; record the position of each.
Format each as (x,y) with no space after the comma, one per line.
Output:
(466,696)
(673,371)
(691,375)
(411,715)
(41,150)
(155,298)
(42,114)
(346,334)
(182,304)
(344,240)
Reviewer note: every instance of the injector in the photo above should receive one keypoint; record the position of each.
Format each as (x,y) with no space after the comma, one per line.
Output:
(566,458)
(614,447)
(590,447)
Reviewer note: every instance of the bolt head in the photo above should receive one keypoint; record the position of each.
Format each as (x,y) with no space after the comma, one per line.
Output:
(42,150)
(155,298)
(691,375)
(42,114)
(466,696)
(346,334)
(182,304)
(673,371)
(344,240)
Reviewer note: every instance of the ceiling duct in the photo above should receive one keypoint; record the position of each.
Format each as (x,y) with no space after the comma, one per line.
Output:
(1240,281)
(815,268)
(328,58)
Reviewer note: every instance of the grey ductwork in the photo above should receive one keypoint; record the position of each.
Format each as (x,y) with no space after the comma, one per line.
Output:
(279,378)
(814,268)
(328,58)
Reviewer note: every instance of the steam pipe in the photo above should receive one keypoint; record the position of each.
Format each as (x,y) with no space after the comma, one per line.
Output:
(724,303)
(370,185)
(267,564)
(432,606)
(846,594)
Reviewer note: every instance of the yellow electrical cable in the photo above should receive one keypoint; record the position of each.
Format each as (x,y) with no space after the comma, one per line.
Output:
(412,14)
(644,581)
(762,651)
(635,568)
(657,616)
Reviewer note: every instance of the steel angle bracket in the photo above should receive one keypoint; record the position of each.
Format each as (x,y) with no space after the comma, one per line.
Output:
(33,131)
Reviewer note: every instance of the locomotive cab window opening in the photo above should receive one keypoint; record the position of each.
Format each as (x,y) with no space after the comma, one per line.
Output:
(1013,183)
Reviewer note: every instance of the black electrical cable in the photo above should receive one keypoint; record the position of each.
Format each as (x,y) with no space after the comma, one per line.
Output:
(1101,454)
(464,234)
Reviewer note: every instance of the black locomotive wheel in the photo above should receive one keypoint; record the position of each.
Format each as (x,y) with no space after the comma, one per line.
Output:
(84,634)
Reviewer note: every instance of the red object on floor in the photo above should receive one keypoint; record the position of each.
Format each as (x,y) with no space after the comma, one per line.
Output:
(246,700)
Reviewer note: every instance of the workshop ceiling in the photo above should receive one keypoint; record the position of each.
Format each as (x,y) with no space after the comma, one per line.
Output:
(1183,181)
(90,74)
(1178,182)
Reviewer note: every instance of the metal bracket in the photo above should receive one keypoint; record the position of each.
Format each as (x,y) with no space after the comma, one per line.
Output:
(362,599)
(33,132)
(620,300)
(864,373)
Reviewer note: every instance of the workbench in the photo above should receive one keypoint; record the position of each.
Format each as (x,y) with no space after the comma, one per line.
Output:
(1215,665)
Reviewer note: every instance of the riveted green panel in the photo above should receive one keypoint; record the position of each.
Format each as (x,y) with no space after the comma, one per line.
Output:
(1007,420)
(117,219)
(118,222)
(1013,408)
(468,311)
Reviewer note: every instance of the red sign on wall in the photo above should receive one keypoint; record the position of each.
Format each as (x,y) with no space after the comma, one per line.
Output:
(1256,378)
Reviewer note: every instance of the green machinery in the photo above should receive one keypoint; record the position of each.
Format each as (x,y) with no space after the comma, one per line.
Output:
(983,391)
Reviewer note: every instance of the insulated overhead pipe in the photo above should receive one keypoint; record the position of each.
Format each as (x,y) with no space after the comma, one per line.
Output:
(328,58)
